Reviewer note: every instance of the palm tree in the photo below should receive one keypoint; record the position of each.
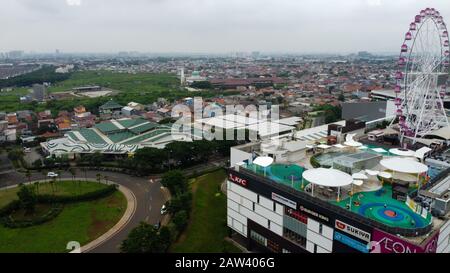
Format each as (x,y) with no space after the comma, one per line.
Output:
(59,176)
(73,173)
(37,187)
(28,175)
(99,177)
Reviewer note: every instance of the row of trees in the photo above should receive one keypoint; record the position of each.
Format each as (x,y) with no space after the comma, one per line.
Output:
(177,155)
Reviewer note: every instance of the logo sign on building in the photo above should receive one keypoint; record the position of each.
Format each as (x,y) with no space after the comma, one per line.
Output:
(354,231)
(350,242)
(237,180)
(388,243)
(284,200)
(314,214)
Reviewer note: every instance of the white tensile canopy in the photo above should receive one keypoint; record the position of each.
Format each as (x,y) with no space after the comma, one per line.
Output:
(339,146)
(263,161)
(327,177)
(349,141)
(379,150)
(324,146)
(359,176)
(372,172)
(385,175)
(402,152)
(404,165)
(358,182)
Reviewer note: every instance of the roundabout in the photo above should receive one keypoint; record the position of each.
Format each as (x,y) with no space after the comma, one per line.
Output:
(89,214)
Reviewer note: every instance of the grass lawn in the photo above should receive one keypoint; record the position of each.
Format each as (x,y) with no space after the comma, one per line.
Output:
(82,222)
(208,224)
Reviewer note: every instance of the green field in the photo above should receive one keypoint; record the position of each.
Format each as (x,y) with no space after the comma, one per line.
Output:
(207,227)
(143,88)
(82,222)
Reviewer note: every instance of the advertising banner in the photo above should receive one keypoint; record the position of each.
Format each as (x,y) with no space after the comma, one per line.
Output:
(388,243)
(350,242)
(354,231)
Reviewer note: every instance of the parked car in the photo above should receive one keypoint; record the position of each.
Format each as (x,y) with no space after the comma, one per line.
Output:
(163,210)
(27,150)
(52,174)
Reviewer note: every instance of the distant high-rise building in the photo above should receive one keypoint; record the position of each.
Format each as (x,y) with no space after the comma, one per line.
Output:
(39,92)
(182,76)
(16,54)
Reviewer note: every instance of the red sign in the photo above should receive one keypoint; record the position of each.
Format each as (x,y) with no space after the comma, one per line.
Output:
(237,180)
(297,215)
(387,243)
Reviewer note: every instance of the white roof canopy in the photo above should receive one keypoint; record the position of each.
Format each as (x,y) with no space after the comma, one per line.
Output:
(339,146)
(359,176)
(358,182)
(327,177)
(372,172)
(323,146)
(421,152)
(402,152)
(379,150)
(403,165)
(353,143)
(385,175)
(263,161)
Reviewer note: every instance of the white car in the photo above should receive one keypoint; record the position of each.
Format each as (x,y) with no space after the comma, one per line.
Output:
(52,174)
(163,210)
(27,150)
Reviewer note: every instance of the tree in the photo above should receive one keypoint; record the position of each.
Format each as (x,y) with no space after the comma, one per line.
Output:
(180,220)
(180,202)
(99,177)
(73,173)
(27,199)
(341,97)
(145,239)
(175,182)
(28,175)
(37,164)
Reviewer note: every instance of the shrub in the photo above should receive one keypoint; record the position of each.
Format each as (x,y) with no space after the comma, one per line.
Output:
(10,222)
(89,196)
(314,162)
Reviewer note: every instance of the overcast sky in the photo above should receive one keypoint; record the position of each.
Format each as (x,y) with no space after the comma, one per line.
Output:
(209,26)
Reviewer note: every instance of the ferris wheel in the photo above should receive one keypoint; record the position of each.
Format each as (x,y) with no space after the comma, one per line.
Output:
(422,76)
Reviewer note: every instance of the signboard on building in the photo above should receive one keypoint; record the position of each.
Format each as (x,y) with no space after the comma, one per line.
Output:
(350,242)
(284,200)
(354,231)
(237,180)
(314,214)
(388,243)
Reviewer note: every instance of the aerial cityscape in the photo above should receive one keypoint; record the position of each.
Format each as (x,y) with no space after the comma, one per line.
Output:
(326,133)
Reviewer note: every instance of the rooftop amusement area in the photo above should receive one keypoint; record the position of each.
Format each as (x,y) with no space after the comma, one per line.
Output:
(365,181)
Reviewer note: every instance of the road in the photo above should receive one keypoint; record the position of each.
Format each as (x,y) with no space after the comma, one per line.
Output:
(149,197)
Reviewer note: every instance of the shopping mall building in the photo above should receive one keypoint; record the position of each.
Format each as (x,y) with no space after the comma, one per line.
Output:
(288,195)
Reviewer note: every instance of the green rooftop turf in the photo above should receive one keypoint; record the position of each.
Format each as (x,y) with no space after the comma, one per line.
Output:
(107,127)
(144,128)
(128,123)
(118,137)
(91,136)
(146,136)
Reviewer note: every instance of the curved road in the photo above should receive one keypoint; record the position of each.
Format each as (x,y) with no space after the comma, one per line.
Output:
(149,198)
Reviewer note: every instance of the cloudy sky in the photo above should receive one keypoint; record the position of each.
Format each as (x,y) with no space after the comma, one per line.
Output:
(209,26)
